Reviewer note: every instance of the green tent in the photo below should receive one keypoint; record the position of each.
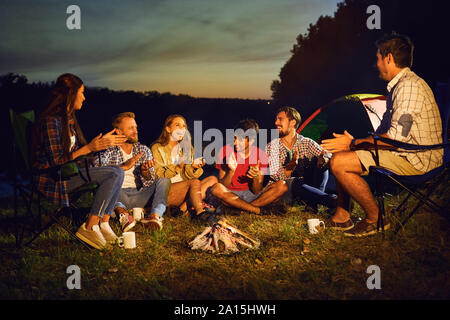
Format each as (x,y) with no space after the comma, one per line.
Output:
(357,113)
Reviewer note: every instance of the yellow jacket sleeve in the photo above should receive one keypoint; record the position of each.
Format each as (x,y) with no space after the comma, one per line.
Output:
(163,162)
(189,172)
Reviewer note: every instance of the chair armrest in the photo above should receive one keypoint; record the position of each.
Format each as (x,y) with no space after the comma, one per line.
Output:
(407,146)
(66,170)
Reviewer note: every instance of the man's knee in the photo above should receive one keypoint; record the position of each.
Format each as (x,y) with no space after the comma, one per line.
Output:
(280,187)
(338,161)
(213,180)
(347,161)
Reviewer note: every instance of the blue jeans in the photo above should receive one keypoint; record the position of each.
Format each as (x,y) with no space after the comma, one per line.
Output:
(109,179)
(134,198)
(311,189)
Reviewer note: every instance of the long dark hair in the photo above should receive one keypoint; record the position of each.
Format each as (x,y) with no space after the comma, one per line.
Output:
(61,103)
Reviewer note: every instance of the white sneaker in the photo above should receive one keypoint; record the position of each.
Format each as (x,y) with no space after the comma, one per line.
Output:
(92,237)
(127,222)
(107,232)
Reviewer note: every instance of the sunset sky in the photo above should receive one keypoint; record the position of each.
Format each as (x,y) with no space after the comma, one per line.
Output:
(204,48)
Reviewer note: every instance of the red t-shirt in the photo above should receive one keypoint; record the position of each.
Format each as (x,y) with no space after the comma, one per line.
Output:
(240,181)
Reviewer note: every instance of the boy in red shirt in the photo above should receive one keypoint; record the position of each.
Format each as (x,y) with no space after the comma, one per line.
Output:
(241,172)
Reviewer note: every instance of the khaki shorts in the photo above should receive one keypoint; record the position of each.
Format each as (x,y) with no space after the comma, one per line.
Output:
(397,164)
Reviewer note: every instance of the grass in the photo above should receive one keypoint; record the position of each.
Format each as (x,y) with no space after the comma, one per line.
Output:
(290,263)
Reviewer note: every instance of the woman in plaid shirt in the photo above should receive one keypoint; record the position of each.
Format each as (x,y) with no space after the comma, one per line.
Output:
(58,139)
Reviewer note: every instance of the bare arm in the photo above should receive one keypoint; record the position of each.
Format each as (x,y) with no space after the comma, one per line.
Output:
(225,177)
(255,174)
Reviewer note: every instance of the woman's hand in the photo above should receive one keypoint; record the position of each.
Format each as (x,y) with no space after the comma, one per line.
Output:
(101,142)
(198,163)
(114,139)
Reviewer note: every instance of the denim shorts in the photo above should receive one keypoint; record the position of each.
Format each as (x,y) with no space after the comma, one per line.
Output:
(246,195)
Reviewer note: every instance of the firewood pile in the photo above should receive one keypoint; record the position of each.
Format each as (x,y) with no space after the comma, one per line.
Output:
(223,238)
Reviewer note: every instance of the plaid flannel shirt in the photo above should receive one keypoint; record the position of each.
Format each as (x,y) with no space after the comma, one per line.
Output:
(49,154)
(308,150)
(112,156)
(412,116)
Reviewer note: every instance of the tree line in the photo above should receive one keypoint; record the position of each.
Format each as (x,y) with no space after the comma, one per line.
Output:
(336,56)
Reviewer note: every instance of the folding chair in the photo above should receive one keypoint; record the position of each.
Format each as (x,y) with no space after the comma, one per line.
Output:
(428,181)
(25,188)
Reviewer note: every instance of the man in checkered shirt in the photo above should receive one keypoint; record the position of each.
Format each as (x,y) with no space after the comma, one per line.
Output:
(411,116)
(299,161)
(140,181)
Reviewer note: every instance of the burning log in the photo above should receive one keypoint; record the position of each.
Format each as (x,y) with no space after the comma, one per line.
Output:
(223,238)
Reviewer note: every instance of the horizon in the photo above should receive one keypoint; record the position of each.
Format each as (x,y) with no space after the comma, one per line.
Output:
(201,49)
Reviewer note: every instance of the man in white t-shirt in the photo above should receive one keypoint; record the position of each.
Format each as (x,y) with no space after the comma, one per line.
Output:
(140,181)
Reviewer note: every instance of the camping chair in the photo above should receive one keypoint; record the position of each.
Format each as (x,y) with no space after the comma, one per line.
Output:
(430,180)
(24,185)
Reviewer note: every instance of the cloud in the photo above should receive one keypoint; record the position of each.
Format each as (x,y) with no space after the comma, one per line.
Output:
(123,41)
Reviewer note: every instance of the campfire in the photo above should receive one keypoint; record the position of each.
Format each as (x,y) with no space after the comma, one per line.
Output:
(223,238)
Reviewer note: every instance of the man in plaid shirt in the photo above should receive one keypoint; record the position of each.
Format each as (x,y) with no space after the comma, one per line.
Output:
(140,181)
(411,116)
(299,161)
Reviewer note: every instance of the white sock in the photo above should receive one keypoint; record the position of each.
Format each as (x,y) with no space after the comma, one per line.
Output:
(104,225)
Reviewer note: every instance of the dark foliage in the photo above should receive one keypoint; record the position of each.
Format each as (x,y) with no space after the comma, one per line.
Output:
(336,56)
(151,109)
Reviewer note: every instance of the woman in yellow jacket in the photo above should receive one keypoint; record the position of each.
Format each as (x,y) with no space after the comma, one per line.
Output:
(174,159)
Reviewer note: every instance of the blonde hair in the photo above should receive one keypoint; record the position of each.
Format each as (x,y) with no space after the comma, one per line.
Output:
(118,118)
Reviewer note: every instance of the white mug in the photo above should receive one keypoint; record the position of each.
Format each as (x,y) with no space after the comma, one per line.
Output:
(138,213)
(313,224)
(127,240)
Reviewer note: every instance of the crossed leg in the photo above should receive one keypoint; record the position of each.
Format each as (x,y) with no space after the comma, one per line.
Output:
(206,183)
(270,195)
